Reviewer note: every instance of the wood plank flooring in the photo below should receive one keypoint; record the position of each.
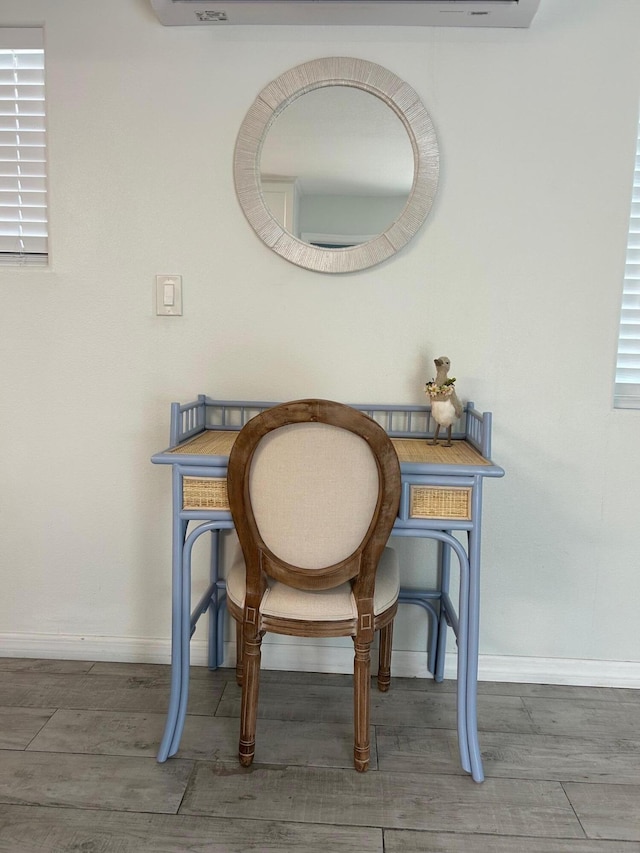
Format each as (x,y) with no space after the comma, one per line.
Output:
(78,771)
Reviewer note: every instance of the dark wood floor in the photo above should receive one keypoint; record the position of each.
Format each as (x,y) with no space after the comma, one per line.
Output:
(78,773)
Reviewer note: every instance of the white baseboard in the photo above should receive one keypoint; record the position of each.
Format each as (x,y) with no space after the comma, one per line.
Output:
(80,647)
(324,658)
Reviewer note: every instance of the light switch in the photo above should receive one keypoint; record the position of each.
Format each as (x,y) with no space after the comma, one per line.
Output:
(169,295)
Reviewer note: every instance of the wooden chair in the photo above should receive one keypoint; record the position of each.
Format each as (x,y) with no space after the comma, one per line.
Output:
(314,488)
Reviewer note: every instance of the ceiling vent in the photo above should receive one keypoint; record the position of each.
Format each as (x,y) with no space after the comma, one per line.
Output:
(360,13)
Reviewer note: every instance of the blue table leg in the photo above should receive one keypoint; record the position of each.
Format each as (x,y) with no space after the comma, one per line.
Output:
(218,601)
(222,598)
(460,625)
(473,638)
(462,636)
(424,600)
(179,533)
(214,610)
(185,639)
(187,623)
(444,571)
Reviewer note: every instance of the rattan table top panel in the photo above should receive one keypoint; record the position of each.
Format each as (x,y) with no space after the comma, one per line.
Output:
(420,450)
(211,442)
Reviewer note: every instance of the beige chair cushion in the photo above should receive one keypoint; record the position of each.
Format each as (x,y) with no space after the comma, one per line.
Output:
(325,605)
(314,489)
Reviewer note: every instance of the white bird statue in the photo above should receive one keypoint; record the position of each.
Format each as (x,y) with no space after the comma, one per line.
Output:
(446,409)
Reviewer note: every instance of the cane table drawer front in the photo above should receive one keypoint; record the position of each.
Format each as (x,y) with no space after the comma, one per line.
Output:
(440,502)
(442,496)
(205,493)
(425,501)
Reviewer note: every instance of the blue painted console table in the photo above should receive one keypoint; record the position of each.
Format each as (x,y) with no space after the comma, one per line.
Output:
(441,496)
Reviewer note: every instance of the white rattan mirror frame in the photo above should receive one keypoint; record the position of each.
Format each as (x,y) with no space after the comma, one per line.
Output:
(337,71)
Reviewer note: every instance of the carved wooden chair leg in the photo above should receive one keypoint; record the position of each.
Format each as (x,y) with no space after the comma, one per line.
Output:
(239,653)
(361,691)
(384,662)
(250,688)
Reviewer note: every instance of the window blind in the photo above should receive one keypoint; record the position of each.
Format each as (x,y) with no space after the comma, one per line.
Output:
(627,394)
(23,186)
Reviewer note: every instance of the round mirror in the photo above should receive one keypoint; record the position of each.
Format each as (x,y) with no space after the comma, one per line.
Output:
(336,164)
(336,167)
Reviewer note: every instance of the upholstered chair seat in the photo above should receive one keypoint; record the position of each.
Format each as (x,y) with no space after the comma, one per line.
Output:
(335,604)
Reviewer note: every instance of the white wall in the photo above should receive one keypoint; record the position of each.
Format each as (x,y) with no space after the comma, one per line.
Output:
(516,276)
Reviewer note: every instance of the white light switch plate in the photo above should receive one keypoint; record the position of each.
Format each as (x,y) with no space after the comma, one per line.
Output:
(169,295)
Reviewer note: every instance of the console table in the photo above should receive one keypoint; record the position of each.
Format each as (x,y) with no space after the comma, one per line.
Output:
(441,496)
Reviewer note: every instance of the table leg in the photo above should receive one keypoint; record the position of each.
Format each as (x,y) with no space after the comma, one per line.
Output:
(185,639)
(425,600)
(462,637)
(473,638)
(221,602)
(179,533)
(214,610)
(444,571)
(460,624)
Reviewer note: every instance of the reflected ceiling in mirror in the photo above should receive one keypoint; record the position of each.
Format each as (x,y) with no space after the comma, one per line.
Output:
(336,148)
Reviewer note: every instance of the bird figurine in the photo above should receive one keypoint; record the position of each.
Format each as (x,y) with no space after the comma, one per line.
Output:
(446,408)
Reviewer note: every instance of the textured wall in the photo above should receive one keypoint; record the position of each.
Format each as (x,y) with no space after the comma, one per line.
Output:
(516,276)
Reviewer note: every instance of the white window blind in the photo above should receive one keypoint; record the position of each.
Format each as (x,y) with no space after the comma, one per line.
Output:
(23,177)
(627,393)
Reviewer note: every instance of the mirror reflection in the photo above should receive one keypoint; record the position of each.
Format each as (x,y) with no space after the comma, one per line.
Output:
(336,167)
